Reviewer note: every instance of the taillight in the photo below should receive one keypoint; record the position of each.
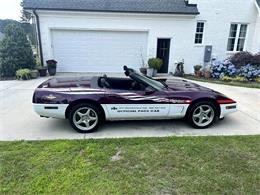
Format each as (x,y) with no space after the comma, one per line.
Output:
(226,101)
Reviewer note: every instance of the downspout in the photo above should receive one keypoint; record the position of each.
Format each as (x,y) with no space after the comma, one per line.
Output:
(39,35)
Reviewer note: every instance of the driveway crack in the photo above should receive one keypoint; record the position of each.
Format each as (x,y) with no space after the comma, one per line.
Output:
(249,115)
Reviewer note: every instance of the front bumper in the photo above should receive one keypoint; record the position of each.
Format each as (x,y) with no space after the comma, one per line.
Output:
(226,109)
(51,110)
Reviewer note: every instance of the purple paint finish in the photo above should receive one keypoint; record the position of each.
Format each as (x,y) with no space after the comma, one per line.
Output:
(68,90)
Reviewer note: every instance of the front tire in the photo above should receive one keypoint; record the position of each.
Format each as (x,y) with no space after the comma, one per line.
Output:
(85,118)
(202,115)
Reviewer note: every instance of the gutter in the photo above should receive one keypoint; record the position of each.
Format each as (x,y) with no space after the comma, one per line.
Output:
(39,35)
(258,8)
(118,11)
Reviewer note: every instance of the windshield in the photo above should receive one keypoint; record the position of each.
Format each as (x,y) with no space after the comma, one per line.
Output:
(149,81)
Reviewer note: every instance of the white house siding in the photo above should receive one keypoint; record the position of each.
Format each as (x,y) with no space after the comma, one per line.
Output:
(256,41)
(218,14)
(179,28)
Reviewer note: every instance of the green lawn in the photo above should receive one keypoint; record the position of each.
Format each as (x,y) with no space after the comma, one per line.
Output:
(232,83)
(198,165)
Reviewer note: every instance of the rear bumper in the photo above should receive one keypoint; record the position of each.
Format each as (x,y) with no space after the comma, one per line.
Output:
(51,110)
(226,109)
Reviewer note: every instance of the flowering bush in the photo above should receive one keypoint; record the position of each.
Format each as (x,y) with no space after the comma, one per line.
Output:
(237,78)
(250,72)
(223,68)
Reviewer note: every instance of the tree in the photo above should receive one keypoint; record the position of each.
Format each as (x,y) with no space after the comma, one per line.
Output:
(15,51)
(25,24)
(26,16)
(6,22)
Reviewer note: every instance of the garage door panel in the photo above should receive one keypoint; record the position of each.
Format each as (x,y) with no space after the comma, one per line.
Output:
(98,51)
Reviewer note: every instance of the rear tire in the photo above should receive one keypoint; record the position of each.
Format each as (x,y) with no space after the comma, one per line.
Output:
(85,117)
(202,115)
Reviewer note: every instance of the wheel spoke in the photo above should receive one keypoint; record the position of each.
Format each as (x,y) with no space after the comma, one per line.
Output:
(86,123)
(196,115)
(79,114)
(91,118)
(201,119)
(79,121)
(207,118)
(207,111)
(87,112)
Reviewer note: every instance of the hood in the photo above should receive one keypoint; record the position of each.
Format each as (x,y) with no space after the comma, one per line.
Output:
(68,82)
(183,85)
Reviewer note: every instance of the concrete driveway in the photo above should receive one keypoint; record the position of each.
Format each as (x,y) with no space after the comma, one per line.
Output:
(19,122)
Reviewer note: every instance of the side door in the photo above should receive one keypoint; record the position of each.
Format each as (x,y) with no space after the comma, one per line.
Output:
(133,105)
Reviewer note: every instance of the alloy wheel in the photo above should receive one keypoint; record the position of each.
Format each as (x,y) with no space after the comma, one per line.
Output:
(85,118)
(203,115)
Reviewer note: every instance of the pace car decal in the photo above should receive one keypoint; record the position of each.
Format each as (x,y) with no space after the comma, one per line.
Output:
(133,111)
(138,109)
(144,111)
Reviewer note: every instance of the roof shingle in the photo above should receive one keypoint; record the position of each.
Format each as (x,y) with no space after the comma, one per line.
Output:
(135,6)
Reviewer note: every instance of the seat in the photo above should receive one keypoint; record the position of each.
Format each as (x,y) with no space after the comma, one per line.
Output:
(104,83)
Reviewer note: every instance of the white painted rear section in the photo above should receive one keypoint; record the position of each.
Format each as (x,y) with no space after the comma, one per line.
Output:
(224,111)
(53,113)
(97,50)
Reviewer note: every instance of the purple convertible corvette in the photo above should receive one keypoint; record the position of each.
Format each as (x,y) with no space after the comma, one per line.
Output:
(87,102)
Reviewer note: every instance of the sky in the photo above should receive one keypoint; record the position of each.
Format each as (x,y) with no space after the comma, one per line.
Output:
(10,9)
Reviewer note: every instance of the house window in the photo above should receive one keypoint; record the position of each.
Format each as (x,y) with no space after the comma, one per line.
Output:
(237,37)
(199,32)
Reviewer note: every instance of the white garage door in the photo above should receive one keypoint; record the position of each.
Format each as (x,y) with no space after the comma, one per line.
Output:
(98,51)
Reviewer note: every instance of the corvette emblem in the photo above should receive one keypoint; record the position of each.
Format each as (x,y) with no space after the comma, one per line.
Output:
(50,97)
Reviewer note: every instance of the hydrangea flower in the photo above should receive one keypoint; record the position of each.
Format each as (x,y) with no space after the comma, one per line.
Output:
(223,68)
(250,72)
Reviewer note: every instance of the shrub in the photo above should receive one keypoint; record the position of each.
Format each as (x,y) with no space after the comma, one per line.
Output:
(15,51)
(223,68)
(237,79)
(155,63)
(241,59)
(250,72)
(24,74)
(240,79)
(197,67)
(256,60)
(226,78)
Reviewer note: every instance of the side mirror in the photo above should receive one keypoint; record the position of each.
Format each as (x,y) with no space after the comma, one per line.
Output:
(149,90)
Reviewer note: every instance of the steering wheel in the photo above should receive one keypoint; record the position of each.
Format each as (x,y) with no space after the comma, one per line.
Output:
(133,85)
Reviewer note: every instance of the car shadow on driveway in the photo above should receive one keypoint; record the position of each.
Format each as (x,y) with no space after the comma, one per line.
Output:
(151,128)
